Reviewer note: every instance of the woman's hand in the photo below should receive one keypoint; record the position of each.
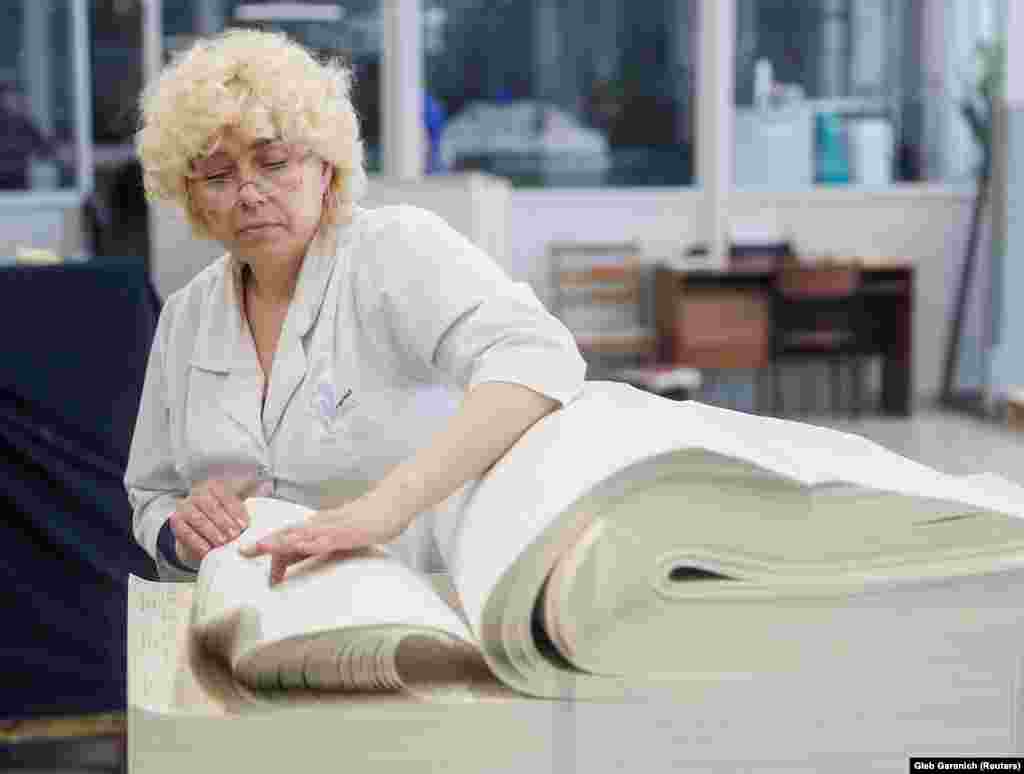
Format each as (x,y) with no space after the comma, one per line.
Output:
(212,515)
(356,524)
(493,416)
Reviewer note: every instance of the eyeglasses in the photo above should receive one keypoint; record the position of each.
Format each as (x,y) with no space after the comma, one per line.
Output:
(274,167)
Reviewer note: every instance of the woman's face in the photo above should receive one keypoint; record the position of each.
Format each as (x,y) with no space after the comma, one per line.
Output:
(262,198)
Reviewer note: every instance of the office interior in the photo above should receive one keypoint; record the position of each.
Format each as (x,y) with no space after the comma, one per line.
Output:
(685,140)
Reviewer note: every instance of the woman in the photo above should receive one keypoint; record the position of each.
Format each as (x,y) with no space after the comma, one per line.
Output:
(294,362)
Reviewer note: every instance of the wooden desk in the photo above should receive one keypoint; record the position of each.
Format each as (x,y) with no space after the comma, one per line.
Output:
(95,743)
(721,319)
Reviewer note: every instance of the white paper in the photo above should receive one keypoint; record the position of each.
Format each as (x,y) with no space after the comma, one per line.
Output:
(159,677)
(319,594)
(610,426)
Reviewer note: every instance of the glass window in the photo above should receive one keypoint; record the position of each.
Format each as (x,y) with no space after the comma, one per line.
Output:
(350,30)
(856,91)
(37,100)
(116,56)
(562,92)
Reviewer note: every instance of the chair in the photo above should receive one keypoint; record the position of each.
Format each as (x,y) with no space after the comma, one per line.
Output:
(603,294)
(818,315)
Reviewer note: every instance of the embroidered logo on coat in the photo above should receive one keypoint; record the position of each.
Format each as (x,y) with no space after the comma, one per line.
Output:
(328,403)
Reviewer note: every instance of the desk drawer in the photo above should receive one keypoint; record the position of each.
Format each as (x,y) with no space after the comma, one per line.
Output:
(720,329)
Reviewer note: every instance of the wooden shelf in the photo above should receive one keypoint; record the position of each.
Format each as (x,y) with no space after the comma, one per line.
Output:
(63,727)
(632,342)
(624,274)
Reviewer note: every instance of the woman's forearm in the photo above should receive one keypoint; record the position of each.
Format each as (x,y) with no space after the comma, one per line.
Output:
(492,417)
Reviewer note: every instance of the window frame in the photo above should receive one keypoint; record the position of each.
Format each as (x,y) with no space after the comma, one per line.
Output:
(714,105)
(82,111)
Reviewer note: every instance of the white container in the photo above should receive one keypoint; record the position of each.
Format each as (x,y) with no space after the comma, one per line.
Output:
(871,142)
(774,148)
(764,80)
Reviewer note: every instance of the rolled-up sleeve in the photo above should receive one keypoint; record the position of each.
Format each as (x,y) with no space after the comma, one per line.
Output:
(151,480)
(453,309)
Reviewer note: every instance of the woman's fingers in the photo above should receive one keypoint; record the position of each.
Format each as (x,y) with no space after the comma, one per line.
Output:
(212,515)
(206,517)
(230,504)
(210,505)
(302,544)
(275,542)
(279,565)
(186,554)
(255,549)
(283,550)
(322,533)
(195,545)
(317,544)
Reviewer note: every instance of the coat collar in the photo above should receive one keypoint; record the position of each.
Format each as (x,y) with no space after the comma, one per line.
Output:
(221,342)
(224,345)
(219,337)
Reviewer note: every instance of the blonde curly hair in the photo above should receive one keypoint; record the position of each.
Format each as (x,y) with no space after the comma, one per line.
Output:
(265,84)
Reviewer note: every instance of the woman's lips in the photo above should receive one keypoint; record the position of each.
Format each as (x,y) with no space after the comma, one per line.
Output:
(257,228)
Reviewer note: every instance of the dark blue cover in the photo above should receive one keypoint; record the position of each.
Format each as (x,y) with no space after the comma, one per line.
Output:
(74,341)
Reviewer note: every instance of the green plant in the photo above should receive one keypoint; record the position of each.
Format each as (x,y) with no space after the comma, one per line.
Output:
(978,105)
(978,108)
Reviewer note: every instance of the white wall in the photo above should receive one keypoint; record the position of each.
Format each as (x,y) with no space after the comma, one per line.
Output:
(660,220)
(1014,55)
(925,225)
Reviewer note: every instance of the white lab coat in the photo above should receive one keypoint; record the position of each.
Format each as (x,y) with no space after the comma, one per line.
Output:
(394,315)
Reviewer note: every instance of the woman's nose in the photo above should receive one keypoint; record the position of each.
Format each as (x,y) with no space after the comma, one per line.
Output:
(250,194)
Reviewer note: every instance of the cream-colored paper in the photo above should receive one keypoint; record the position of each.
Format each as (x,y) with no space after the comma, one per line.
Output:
(793,527)
(629,524)
(867,712)
(359,621)
(156,619)
(163,673)
(613,426)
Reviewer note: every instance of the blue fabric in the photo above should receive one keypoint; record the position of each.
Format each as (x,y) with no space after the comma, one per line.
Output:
(165,544)
(75,341)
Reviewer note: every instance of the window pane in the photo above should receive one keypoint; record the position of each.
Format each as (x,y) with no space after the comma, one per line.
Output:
(116,56)
(350,30)
(37,116)
(562,92)
(856,91)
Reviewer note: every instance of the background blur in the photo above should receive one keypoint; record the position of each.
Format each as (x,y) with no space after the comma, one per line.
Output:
(836,123)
